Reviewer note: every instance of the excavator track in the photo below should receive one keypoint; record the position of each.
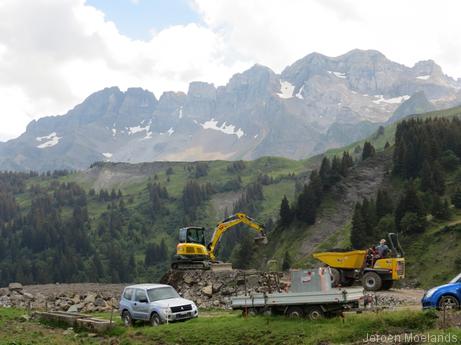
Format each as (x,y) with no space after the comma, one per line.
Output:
(190,265)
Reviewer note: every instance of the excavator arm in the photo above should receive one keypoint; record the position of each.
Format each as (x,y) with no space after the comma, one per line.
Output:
(230,222)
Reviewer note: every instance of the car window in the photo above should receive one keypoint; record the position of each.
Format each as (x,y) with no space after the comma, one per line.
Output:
(158,294)
(128,294)
(140,295)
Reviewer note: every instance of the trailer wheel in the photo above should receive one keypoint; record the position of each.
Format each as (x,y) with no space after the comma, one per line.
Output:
(335,277)
(315,313)
(294,312)
(372,281)
(387,284)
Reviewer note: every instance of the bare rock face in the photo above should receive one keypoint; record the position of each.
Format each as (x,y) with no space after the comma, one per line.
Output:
(257,113)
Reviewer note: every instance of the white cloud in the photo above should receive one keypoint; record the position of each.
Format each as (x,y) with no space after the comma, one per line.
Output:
(54,53)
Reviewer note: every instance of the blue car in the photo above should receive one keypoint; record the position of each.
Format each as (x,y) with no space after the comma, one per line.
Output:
(444,296)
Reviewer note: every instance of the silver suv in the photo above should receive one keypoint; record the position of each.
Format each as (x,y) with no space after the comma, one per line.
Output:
(156,303)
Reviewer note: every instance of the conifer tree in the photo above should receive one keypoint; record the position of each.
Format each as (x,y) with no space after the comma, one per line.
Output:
(456,198)
(368,150)
(286,214)
(358,231)
(286,264)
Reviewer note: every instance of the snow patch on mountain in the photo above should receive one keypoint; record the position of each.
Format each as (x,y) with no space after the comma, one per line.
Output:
(170,131)
(423,77)
(286,89)
(51,140)
(137,129)
(180,112)
(300,93)
(394,100)
(226,129)
(107,154)
(338,74)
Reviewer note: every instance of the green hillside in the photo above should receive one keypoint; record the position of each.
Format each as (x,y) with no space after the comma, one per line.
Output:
(118,221)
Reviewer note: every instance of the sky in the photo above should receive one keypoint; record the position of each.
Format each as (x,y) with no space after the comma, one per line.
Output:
(54,53)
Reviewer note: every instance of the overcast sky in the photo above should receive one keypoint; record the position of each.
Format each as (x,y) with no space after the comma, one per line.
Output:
(54,53)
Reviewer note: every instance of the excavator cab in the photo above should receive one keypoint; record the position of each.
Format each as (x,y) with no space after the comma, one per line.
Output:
(192,234)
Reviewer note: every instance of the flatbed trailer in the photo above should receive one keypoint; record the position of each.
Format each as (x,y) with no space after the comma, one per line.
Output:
(313,305)
(307,293)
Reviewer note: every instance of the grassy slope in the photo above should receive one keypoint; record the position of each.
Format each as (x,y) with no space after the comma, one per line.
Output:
(230,328)
(166,227)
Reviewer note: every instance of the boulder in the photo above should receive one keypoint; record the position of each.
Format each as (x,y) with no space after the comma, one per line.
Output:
(89,298)
(75,308)
(15,287)
(208,290)
(99,302)
(28,295)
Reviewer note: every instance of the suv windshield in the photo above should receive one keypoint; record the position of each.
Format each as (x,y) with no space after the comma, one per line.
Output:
(456,279)
(162,293)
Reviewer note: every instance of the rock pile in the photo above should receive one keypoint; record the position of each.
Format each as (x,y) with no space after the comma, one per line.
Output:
(15,296)
(214,289)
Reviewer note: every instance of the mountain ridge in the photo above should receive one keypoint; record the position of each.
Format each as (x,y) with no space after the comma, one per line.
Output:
(314,104)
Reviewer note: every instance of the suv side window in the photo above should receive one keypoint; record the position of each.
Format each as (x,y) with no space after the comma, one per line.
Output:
(140,295)
(128,294)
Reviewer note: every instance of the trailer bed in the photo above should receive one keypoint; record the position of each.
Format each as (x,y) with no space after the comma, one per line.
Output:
(333,296)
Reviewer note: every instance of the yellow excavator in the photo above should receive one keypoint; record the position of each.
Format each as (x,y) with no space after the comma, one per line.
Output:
(192,251)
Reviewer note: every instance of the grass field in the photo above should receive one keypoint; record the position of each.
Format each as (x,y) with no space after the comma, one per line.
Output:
(228,328)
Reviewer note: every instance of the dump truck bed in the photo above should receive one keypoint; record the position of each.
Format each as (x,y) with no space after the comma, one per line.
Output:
(332,296)
(346,260)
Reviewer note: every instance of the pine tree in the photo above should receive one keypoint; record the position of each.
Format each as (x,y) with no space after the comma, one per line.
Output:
(286,215)
(456,198)
(438,178)
(410,202)
(315,183)
(384,204)
(358,231)
(306,207)
(427,180)
(346,162)
(325,172)
(440,209)
(368,150)
(286,264)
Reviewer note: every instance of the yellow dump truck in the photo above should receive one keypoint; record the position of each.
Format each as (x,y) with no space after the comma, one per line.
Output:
(374,272)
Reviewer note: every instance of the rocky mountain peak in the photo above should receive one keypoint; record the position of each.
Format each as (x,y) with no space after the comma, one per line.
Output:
(201,90)
(427,68)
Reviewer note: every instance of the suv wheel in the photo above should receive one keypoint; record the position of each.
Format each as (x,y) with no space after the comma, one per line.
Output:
(127,319)
(155,320)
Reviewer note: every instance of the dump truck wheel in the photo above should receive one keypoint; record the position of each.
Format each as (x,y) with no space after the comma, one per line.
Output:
(387,284)
(371,281)
(448,302)
(315,313)
(295,312)
(335,277)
